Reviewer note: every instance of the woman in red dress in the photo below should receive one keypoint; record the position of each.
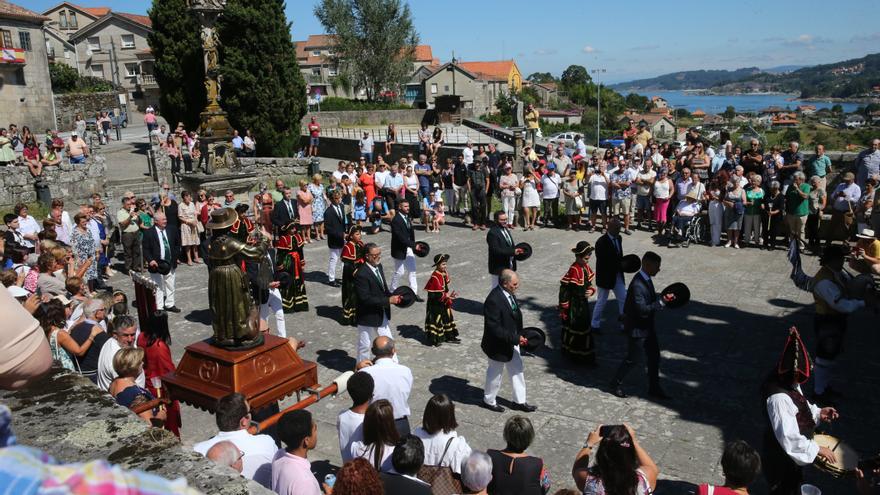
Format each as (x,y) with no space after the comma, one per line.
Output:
(368,182)
(155,341)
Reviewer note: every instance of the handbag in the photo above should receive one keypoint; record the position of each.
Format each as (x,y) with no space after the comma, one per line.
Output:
(579,202)
(442,479)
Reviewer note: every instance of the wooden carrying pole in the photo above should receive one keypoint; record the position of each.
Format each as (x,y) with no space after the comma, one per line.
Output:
(338,386)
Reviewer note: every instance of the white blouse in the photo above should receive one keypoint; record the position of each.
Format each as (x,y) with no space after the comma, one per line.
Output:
(435,444)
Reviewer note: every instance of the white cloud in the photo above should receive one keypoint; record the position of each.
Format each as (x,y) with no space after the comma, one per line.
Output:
(546,51)
(806,40)
(589,49)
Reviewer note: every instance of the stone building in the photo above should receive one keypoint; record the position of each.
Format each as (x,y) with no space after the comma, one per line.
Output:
(100,42)
(25,85)
(478,90)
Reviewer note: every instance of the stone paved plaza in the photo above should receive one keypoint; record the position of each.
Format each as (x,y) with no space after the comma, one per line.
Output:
(715,353)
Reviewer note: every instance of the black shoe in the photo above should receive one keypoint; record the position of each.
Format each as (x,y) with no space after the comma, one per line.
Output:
(419,299)
(173,309)
(525,407)
(493,407)
(616,391)
(454,340)
(658,393)
(334,283)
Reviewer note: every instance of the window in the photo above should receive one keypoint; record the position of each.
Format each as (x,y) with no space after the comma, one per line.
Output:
(94,43)
(127,41)
(433,88)
(331,72)
(6,39)
(24,40)
(445,88)
(131,70)
(316,53)
(62,19)
(73,24)
(67,53)
(97,70)
(316,71)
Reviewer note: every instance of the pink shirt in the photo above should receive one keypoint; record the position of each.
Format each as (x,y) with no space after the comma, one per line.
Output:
(292,475)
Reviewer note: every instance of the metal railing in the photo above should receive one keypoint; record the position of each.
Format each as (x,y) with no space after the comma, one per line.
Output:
(452,135)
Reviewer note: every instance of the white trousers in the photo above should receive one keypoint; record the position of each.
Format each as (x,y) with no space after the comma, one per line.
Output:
(164,289)
(334,260)
(407,264)
(274,305)
(367,334)
(602,298)
(514,370)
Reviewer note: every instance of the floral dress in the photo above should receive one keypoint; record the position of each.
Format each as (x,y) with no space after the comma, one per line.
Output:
(189,234)
(84,248)
(58,353)
(318,203)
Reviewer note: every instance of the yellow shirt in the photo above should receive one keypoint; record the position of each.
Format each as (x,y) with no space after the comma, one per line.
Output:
(532,119)
(873,250)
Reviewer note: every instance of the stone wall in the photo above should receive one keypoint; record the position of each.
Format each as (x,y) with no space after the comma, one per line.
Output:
(347,149)
(376,117)
(74,183)
(69,104)
(68,417)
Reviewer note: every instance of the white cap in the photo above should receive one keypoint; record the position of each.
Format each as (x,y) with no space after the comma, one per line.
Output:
(16,291)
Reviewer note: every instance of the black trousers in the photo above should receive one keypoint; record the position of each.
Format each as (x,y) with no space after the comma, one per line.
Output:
(645,348)
(478,206)
(551,209)
(783,475)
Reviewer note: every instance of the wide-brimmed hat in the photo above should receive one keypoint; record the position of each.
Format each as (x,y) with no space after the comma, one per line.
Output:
(526,251)
(692,194)
(440,258)
(630,263)
(849,176)
(681,292)
(241,207)
(407,296)
(352,230)
(422,249)
(583,248)
(162,267)
(222,218)
(866,234)
(17,291)
(535,337)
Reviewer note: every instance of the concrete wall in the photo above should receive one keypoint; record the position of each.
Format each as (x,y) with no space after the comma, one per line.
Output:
(70,104)
(371,117)
(26,90)
(68,417)
(74,183)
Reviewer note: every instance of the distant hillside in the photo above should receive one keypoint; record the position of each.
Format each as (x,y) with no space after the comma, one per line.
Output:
(689,79)
(782,69)
(847,79)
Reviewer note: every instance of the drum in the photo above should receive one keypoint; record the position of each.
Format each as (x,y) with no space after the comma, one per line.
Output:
(847,458)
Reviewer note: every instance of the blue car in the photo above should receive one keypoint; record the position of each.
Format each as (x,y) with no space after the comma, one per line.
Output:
(613,142)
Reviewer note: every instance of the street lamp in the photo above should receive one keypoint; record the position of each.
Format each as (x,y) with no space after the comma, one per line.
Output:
(598,101)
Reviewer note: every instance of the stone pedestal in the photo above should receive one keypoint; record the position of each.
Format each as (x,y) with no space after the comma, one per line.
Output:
(264,374)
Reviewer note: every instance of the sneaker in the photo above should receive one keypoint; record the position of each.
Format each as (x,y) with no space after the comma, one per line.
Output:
(736,246)
(627,232)
(728,245)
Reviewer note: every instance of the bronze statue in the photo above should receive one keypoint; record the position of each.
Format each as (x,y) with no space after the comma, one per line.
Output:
(236,319)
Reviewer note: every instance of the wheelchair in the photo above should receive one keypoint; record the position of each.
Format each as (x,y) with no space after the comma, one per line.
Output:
(696,230)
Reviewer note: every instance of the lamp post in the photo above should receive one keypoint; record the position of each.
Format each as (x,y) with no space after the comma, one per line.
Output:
(598,102)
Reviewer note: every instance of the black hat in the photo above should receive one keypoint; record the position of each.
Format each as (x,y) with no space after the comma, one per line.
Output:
(440,258)
(630,263)
(526,251)
(407,296)
(353,229)
(535,337)
(583,248)
(794,361)
(162,267)
(422,249)
(284,278)
(680,291)
(832,252)
(241,207)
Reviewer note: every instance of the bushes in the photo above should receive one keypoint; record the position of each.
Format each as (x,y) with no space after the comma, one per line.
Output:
(335,104)
(66,79)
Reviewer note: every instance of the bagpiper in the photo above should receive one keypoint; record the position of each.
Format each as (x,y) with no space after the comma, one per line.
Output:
(575,290)
(291,261)
(439,322)
(352,259)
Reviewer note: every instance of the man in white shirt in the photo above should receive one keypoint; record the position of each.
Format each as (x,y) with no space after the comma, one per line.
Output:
(340,171)
(468,153)
(233,415)
(349,423)
(791,421)
(125,329)
(392,381)
(365,145)
(550,194)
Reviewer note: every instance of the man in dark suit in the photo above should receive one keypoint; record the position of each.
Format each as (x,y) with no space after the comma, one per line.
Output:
(609,276)
(373,301)
(407,459)
(162,244)
(641,303)
(285,211)
(501,248)
(502,328)
(335,225)
(403,242)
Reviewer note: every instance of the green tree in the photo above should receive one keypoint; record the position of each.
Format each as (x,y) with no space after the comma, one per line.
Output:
(681,113)
(374,43)
(837,109)
(791,134)
(179,66)
(541,77)
(64,77)
(729,112)
(575,75)
(637,102)
(263,89)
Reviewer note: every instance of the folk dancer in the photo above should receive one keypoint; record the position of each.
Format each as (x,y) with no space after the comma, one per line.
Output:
(243,227)
(403,243)
(439,321)
(352,259)
(575,290)
(791,421)
(291,261)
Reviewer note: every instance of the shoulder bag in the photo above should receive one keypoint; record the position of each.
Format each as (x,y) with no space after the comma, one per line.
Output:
(442,479)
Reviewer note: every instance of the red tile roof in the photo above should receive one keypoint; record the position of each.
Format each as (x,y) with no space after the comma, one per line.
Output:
(93,11)
(140,19)
(423,53)
(11,10)
(496,70)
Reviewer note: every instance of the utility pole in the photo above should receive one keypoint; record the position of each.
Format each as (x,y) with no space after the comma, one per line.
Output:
(453,72)
(598,102)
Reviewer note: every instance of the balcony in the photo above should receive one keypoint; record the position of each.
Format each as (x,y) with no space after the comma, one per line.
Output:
(147,81)
(14,56)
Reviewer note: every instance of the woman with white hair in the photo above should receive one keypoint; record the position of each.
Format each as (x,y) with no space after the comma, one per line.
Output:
(476,472)
(751,232)
(94,311)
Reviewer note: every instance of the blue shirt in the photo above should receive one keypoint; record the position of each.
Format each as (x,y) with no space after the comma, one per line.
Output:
(424,180)
(237,142)
(394,182)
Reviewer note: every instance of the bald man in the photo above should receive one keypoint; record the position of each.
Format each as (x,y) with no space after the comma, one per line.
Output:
(392,381)
(225,453)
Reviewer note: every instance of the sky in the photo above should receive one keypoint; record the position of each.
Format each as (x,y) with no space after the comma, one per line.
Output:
(629,40)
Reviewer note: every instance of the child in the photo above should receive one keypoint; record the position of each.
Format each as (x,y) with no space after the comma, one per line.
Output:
(378,212)
(428,213)
(360,207)
(439,215)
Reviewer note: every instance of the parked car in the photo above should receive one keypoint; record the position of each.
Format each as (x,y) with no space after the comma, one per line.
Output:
(120,120)
(612,142)
(564,138)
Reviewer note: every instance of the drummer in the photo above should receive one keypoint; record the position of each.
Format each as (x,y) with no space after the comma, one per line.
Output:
(791,421)
(439,321)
